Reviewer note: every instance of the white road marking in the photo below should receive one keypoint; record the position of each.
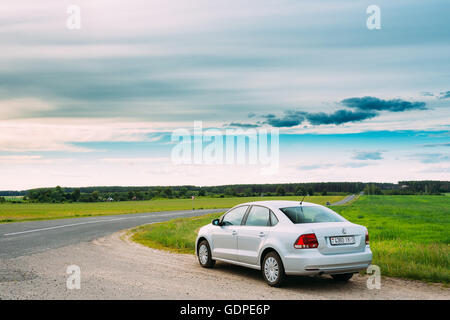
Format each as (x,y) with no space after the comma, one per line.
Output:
(63,226)
(88,222)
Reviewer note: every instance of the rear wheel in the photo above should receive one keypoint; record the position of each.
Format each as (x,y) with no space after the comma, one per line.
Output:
(343,277)
(204,255)
(272,269)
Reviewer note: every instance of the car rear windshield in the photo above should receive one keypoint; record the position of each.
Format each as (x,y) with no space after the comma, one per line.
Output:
(311,214)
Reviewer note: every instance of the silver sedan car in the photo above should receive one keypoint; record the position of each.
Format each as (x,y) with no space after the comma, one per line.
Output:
(285,238)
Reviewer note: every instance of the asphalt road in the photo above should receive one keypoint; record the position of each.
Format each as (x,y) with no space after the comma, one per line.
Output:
(344,201)
(24,238)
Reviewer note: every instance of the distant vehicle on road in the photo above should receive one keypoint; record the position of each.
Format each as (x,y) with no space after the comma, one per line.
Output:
(285,238)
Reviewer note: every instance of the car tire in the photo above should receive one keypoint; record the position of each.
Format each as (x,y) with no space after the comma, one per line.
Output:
(343,277)
(204,255)
(273,270)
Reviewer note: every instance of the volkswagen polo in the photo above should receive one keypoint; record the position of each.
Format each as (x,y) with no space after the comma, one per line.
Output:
(285,238)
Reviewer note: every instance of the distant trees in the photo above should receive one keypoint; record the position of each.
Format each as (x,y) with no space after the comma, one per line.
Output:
(183,192)
(92,194)
(168,192)
(300,191)
(426,187)
(372,189)
(280,191)
(230,191)
(76,195)
(58,195)
(2,200)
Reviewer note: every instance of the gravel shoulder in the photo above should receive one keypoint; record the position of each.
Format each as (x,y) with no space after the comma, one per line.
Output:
(114,267)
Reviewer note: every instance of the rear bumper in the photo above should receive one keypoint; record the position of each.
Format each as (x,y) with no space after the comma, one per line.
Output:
(312,262)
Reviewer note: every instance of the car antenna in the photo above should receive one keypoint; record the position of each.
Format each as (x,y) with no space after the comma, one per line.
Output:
(301,202)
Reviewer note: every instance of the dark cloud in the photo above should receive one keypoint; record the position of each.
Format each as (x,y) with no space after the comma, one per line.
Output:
(291,118)
(375,104)
(445,95)
(427,94)
(251,114)
(366,108)
(243,125)
(371,155)
(339,117)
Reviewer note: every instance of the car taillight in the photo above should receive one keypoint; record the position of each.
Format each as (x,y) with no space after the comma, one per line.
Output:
(306,241)
(367,237)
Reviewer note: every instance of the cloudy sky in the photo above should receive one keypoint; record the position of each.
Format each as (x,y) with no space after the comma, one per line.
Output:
(98,105)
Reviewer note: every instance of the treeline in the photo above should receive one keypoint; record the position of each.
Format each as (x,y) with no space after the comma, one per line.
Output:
(410,188)
(118,193)
(11,193)
(425,187)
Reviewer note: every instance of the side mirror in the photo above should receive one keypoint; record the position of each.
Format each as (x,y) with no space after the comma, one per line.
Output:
(216,222)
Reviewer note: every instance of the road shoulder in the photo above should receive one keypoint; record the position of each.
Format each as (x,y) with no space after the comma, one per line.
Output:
(114,267)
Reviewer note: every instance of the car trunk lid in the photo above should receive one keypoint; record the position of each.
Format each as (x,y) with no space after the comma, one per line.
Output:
(338,231)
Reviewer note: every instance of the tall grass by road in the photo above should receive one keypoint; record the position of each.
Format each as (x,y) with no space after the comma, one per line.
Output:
(176,235)
(409,235)
(14,212)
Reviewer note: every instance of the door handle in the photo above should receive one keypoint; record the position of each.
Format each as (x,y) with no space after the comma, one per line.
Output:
(234,232)
(262,234)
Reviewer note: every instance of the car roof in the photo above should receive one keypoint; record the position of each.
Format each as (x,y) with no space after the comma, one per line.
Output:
(276,204)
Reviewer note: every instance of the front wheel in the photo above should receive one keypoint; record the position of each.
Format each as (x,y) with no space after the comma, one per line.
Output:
(273,270)
(204,255)
(343,277)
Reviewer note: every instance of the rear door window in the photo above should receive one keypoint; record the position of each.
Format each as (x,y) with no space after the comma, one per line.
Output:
(273,219)
(258,216)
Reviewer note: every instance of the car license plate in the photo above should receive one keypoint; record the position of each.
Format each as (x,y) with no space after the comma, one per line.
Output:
(336,241)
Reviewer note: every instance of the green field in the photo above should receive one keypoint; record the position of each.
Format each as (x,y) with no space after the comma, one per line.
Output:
(409,235)
(13,198)
(15,212)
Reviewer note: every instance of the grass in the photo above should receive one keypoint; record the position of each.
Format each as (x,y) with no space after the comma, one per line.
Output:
(409,235)
(16,212)
(13,198)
